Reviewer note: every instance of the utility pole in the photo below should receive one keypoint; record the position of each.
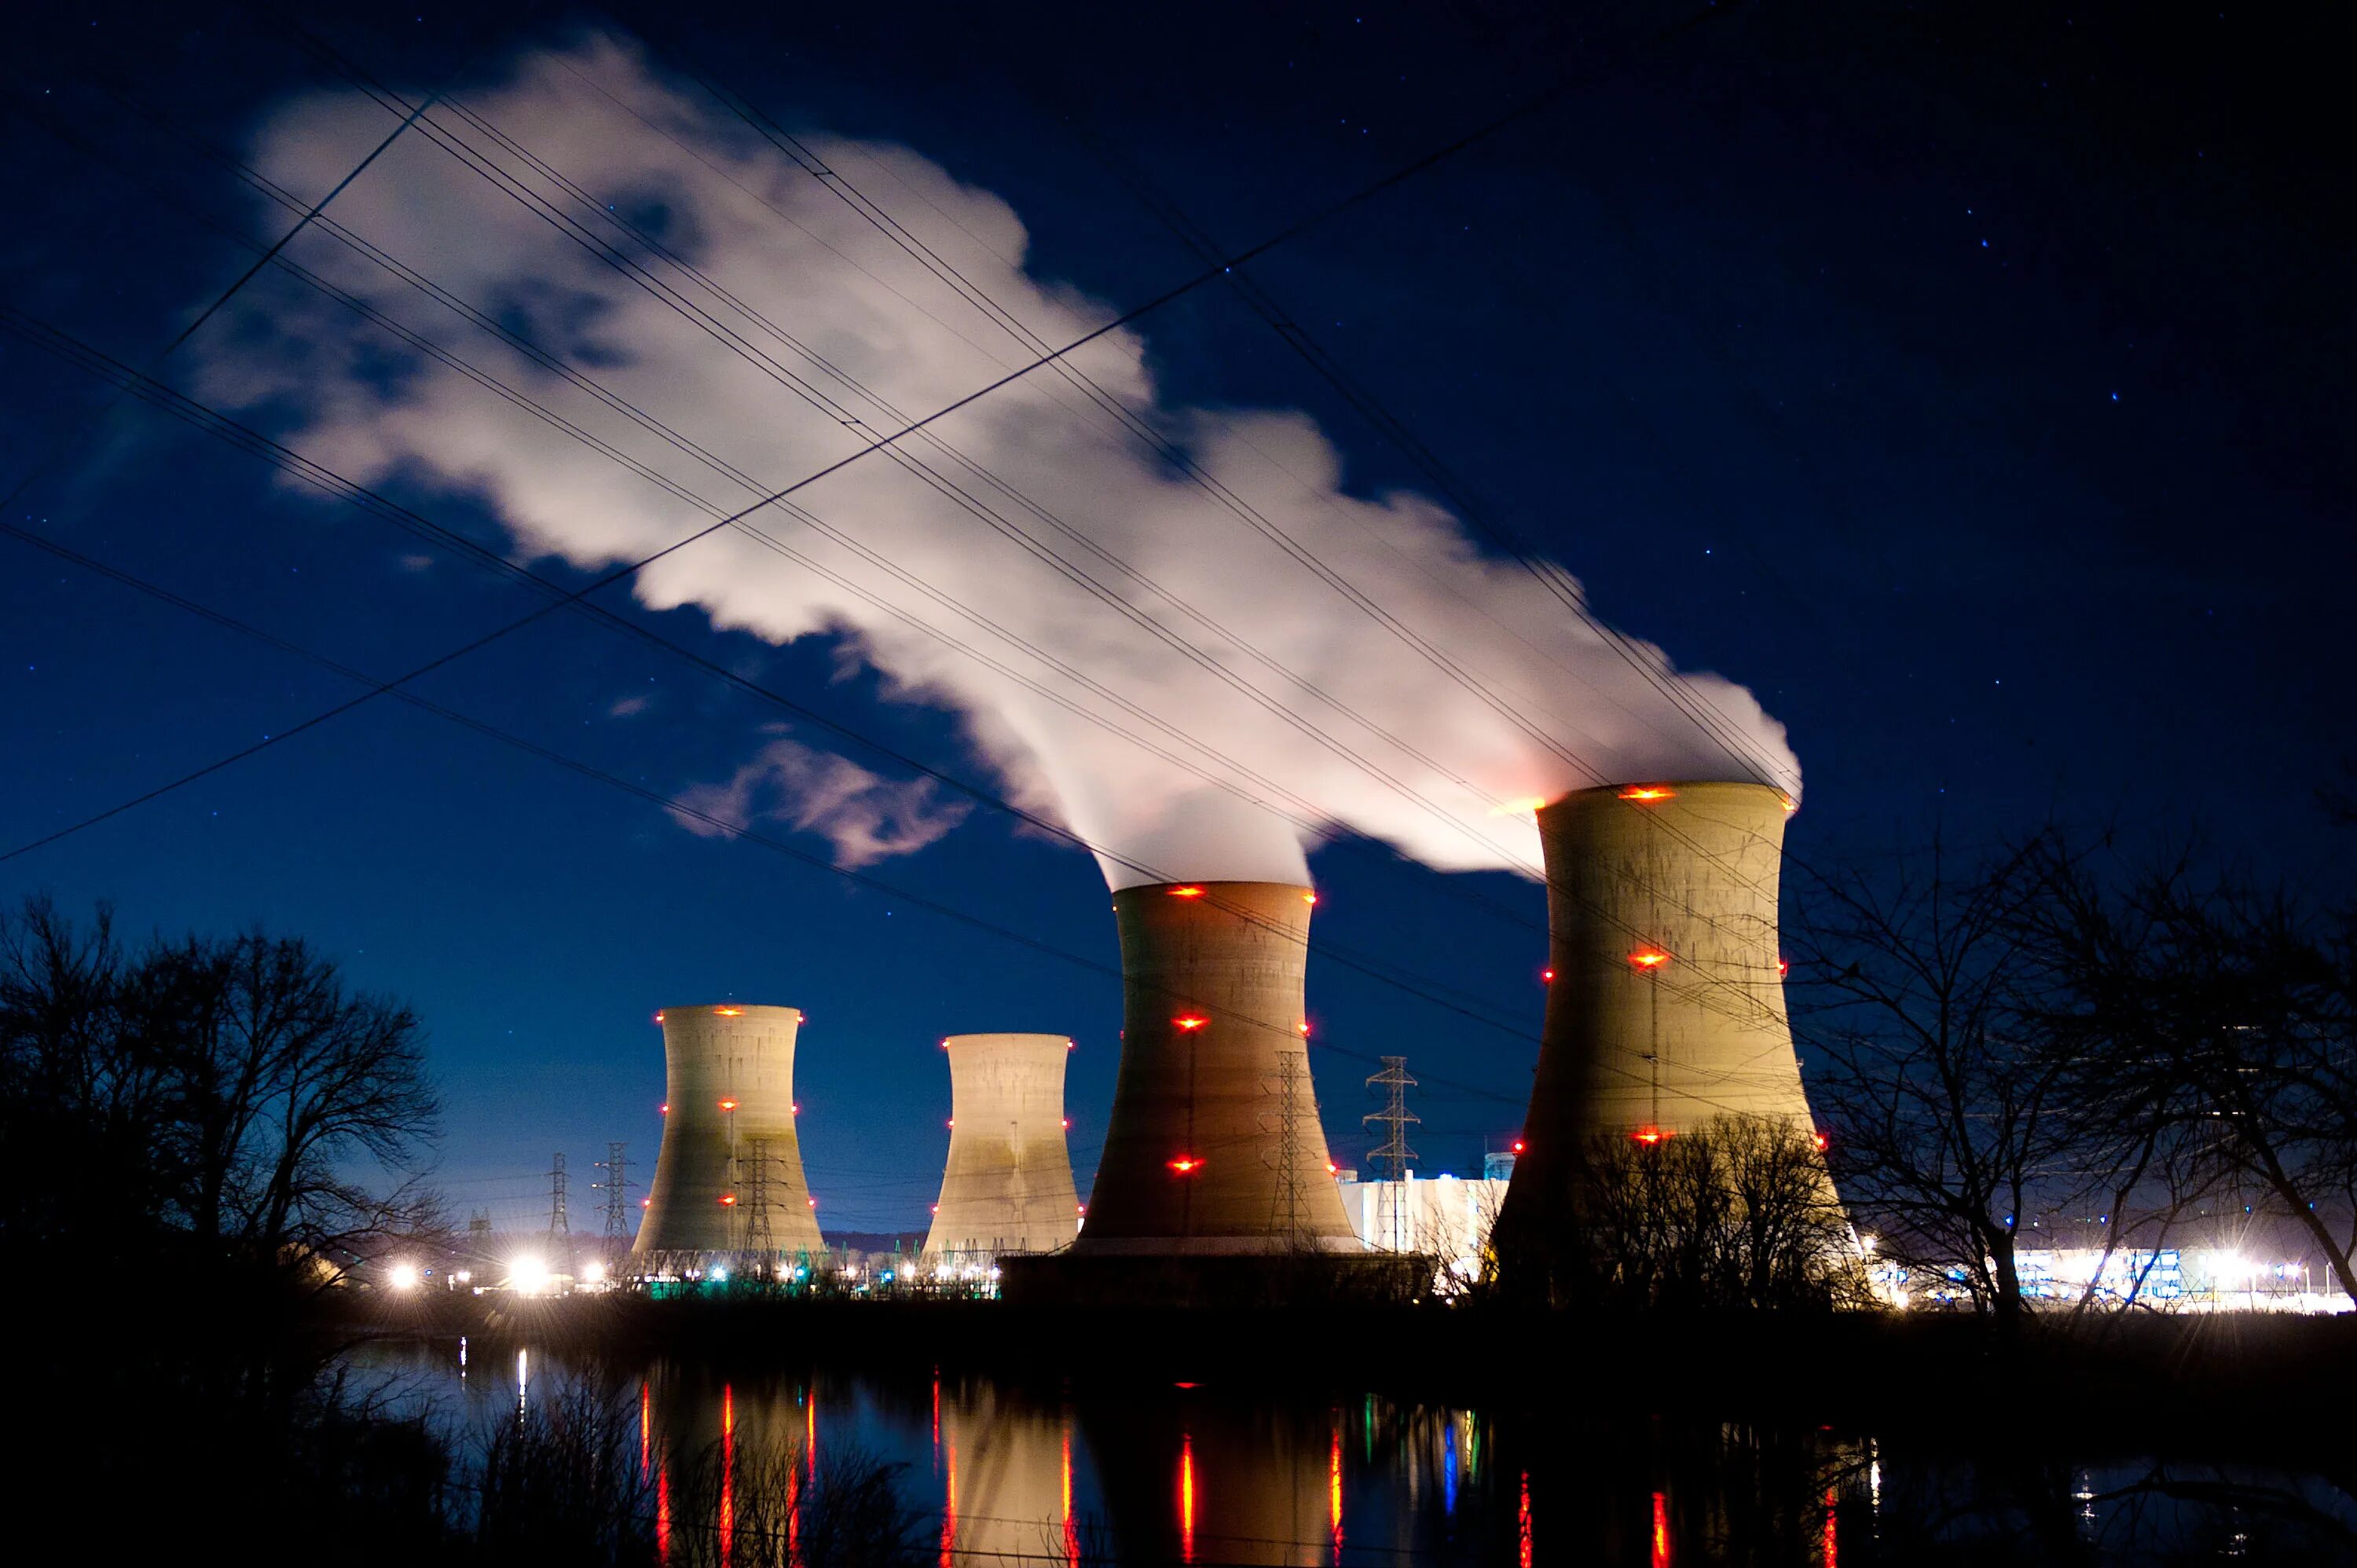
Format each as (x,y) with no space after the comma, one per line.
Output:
(557,1223)
(617,1182)
(1285,1091)
(1394,1151)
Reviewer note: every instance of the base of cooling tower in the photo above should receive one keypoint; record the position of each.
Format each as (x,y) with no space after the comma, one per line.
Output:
(1215,1280)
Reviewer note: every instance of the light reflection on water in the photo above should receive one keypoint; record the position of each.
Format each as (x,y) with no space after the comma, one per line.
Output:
(1005,1472)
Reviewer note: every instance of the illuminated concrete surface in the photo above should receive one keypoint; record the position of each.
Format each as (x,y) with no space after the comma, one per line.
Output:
(1202,1139)
(1007,1185)
(1666,1005)
(730,1160)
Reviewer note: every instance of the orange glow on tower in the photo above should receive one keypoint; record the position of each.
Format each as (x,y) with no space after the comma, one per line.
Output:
(1186,1165)
(1648,792)
(1651,1135)
(1186,893)
(1190,1021)
(1649,958)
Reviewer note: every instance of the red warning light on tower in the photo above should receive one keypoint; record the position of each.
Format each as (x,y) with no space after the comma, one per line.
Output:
(1190,1021)
(1649,958)
(1648,792)
(1651,1135)
(1186,1165)
(727,1105)
(1186,893)
(727,1200)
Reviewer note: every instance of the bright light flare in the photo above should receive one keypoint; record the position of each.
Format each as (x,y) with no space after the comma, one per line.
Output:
(1190,1021)
(528,1275)
(1648,792)
(402,1276)
(1186,1165)
(1186,893)
(727,1105)
(1649,1136)
(594,1271)
(1649,958)
(727,1200)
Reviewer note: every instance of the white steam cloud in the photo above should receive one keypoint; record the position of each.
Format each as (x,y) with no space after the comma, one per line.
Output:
(1198,689)
(864,817)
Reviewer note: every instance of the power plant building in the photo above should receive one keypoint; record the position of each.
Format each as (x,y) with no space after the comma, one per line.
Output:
(1214,1147)
(1666,1003)
(728,1182)
(1008,1186)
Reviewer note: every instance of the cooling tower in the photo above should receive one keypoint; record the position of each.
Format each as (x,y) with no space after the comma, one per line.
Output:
(1214,1144)
(1009,1184)
(729,1177)
(1665,1005)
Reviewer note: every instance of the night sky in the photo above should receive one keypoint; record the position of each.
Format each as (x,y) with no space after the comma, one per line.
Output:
(1975,393)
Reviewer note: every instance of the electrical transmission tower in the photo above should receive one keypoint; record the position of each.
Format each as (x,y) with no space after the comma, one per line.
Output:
(758,1239)
(617,1182)
(1286,1092)
(479,1232)
(557,1223)
(1393,1156)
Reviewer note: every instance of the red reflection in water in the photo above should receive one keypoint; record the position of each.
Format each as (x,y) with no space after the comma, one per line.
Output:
(937,1421)
(949,1499)
(662,1513)
(1522,1524)
(646,1423)
(810,1428)
(1660,1530)
(1186,1497)
(1832,1547)
(793,1517)
(1071,1531)
(1334,1486)
(727,1469)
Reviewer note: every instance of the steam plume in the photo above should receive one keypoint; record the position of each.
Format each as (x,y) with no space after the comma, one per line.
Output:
(1127,653)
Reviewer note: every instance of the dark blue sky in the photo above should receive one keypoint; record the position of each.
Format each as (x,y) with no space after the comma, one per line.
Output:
(1978,394)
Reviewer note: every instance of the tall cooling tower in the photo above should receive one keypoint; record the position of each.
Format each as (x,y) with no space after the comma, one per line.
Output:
(1666,1003)
(1214,1144)
(1009,1184)
(729,1177)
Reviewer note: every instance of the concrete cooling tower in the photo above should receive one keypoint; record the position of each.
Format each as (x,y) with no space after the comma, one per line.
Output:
(1666,1003)
(729,1180)
(1009,1184)
(1213,1146)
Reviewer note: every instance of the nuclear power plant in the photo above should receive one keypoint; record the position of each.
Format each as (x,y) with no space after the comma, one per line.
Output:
(728,1187)
(1213,1146)
(1665,1000)
(1007,1187)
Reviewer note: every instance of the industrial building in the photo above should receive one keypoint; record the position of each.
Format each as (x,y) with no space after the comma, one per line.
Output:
(1214,1147)
(1665,1000)
(729,1190)
(1007,1184)
(1445,1217)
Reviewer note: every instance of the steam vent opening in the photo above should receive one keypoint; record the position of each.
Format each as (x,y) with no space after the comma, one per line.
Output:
(1008,1186)
(1667,1005)
(728,1132)
(1215,1078)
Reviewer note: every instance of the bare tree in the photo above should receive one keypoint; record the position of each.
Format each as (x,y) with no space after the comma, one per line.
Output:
(1913,987)
(2222,1017)
(252,1106)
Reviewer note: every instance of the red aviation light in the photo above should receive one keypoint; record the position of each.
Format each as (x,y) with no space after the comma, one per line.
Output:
(1546,977)
(1518,1145)
(1649,1136)
(1333,1169)
(1190,1021)
(646,1203)
(1648,792)
(813,1203)
(1649,958)
(727,1200)
(1302,1030)
(1067,1123)
(664,1109)
(1821,1141)
(730,1011)
(727,1105)
(658,1017)
(1186,893)
(1309,897)
(1791,805)
(1186,1165)
(1783,968)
